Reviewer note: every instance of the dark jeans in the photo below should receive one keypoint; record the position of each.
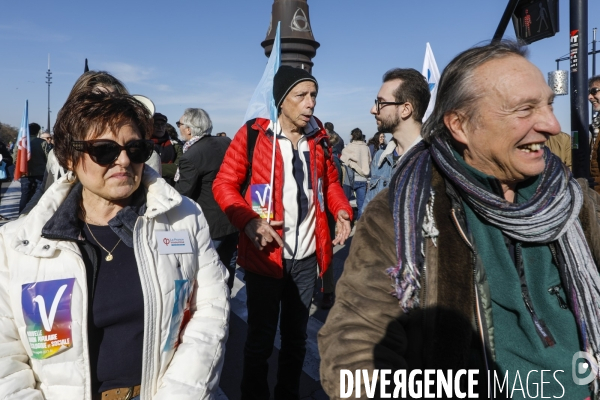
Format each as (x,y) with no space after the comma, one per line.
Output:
(266,297)
(226,247)
(29,186)
(360,188)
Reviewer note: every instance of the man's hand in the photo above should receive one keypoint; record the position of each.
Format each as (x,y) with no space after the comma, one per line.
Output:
(261,233)
(342,227)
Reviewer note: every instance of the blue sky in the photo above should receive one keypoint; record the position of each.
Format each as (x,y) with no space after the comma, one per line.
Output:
(207,54)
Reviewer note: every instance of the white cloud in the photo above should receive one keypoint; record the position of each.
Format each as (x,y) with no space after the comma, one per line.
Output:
(128,73)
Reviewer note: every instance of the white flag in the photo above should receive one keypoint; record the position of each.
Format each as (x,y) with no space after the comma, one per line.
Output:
(432,74)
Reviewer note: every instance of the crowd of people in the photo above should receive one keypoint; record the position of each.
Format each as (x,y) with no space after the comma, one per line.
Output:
(474,248)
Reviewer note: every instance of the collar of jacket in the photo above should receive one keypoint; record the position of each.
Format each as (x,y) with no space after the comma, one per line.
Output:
(28,238)
(389,150)
(391,146)
(64,224)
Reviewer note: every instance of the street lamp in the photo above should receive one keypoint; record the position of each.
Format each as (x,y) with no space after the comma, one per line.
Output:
(298,45)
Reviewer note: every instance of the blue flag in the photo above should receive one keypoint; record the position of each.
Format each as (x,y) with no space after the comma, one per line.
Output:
(262,104)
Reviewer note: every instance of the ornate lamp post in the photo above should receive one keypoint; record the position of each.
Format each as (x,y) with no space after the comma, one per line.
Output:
(298,45)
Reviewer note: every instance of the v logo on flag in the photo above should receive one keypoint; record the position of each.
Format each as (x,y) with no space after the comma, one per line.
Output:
(48,319)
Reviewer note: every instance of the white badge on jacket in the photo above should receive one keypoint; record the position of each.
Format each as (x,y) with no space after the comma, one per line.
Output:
(173,242)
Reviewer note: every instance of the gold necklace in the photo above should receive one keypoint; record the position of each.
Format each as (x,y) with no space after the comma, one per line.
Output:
(109,256)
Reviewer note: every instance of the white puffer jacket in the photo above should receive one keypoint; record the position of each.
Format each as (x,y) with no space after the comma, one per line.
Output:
(191,371)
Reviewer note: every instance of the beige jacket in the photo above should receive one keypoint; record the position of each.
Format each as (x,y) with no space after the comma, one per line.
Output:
(357,156)
(561,146)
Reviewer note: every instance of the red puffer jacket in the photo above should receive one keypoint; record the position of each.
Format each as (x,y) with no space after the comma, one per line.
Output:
(231,177)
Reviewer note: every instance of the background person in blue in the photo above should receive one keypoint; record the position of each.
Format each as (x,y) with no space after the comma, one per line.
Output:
(494,245)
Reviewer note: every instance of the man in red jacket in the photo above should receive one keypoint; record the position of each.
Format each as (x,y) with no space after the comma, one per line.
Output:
(284,235)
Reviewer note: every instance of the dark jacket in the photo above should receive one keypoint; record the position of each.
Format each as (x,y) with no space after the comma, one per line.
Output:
(198,167)
(366,328)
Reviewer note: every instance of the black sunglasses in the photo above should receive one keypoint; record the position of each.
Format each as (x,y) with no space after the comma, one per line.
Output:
(179,124)
(379,104)
(594,90)
(106,151)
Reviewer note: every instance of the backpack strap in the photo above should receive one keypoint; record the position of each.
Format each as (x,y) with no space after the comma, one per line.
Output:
(252,136)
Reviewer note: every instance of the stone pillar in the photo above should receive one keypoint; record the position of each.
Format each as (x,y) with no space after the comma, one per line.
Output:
(298,45)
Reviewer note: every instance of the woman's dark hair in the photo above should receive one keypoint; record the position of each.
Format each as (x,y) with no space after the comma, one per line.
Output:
(375,140)
(88,115)
(413,89)
(356,134)
(94,79)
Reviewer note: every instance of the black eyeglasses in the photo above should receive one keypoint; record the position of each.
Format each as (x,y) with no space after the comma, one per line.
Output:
(380,104)
(106,151)
(594,91)
(179,124)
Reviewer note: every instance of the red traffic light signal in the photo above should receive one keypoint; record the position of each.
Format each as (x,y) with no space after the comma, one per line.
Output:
(535,19)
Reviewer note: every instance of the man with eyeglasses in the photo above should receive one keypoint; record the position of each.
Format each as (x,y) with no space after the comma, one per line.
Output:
(169,153)
(399,109)
(594,98)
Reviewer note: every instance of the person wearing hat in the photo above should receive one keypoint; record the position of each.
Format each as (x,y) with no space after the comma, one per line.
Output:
(169,153)
(284,234)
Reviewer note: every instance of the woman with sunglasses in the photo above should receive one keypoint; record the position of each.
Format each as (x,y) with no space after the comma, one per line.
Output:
(110,288)
(98,82)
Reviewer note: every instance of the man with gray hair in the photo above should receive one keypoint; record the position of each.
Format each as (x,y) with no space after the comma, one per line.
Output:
(489,245)
(198,166)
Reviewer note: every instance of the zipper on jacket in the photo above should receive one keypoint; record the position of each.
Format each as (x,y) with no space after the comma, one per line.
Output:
(424,285)
(462,234)
(149,363)
(539,324)
(84,319)
(555,291)
(476,308)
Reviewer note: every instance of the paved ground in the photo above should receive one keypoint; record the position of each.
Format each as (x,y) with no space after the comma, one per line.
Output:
(9,199)
(310,387)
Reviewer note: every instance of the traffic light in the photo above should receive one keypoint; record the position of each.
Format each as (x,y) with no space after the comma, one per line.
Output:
(535,19)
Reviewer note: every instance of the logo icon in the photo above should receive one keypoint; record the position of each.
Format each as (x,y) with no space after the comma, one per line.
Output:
(166,241)
(300,21)
(431,84)
(580,365)
(48,319)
